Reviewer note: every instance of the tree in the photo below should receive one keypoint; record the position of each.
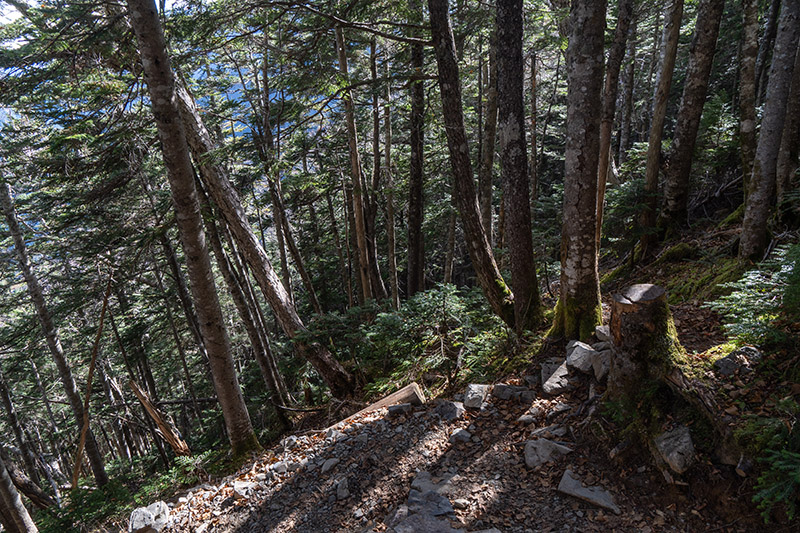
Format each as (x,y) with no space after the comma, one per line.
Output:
(761,195)
(747,89)
(514,161)
(161,84)
(416,178)
(50,332)
(578,309)
(13,515)
(491,281)
(670,36)
(701,56)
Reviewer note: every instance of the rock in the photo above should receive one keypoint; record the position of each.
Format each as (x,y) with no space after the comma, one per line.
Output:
(242,489)
(330,463)
(531,415)
(398,410)
(475,395)
(744,467)
(571,345)
(557,409)
(527,396)
(603,333)
(461,503)
(490,530)
(460,435)
(449,411)
(333,434)
(600,346)
(739,360)
(676,449)
(502,391)
(572,486)
(418,523)
(581,357)
(431,503)
(555,381)
(531,381)
(556,430)
(541,451)
(280,467)
(290,443)
(601,364)
(149,519)
(342,490)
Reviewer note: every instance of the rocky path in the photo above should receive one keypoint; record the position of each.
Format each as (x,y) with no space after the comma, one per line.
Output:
(516,459)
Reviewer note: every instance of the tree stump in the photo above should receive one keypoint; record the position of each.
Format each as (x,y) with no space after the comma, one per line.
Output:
(646,344)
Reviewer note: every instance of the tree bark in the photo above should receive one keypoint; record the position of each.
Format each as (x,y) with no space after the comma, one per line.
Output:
(761,196)
(747,89)
(486,169)
(764,50)
(13,514)
(489,277)
(578,309)
(787,157)
(230,207)
(416,178)
(647,220)
(615,56)
(701,58)
(50,332)
(514,161)
(174,147)
(390,214)
(27,454)
(626,126)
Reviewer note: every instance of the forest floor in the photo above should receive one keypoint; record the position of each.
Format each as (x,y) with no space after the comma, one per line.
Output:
(353,476)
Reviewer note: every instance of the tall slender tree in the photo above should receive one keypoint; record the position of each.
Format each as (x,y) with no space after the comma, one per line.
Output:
(416,177)
(578,309)
(175,149)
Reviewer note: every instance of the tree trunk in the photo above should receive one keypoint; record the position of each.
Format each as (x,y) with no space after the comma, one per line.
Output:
(480,251)
(486,169)
(626,127)
(514,161)
(277,222)
(647,219)
(532,162)
(27,454)
(355,174)
(761,197)
(767,41)
(343,268)
(578,309)
(747,89)
(701,58)
(230,207)
(13,514)
(787,157)
(50,332)
(615,56)
(390,235)
(416,178)
(450,252)
(161,85)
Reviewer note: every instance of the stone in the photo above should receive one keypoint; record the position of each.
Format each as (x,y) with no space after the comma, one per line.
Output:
(601,364)
(475,395)
(461,503)
(460,435)
(430,502)
(531,381)
(557,409)
(581,358)
(571,345)
(557,381)
(280,467)
(548,432)
(333,434)
(330,463)
(342,489)
(531,415)
(600,346)
(449,411)
(739,360)
(502,391)
(418,523)
(676,449)
(603,333)
(242,489)
(398,410)
(598,496)
(541,451)
(290,443)
(149,519)
(527,396)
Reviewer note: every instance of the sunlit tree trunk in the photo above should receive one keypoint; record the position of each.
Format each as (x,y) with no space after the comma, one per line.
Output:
(491,281)
(647,219)
(390,214)
(701,57)
(416,246)
(13,514)
(626,123)
(11,413)
(174,147)
(50,333)
(578,309)
(486,168)
(747,89)
(514,162)
(761,197)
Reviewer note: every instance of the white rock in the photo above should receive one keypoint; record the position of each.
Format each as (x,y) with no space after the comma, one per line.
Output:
(460,435)
(475,395)
(541,451)
(572,486)
(603,333)
(581,357)
(601,364)
(676,448)
(556,382)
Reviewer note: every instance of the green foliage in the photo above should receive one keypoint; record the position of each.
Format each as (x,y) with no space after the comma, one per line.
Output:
(86,509)
(186,471)
(761,297)
(780,482)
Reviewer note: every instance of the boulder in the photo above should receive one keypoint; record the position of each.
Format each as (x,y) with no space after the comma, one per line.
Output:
(601,364)
(676,449)
(739,360)
(501,391)
(475,395)
(598,496)
(429,503)
(541,451)
(419,523)
(149,519)
(449,411)
(460,435)
(581,357)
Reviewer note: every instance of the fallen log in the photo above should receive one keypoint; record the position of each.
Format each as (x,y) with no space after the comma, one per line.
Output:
(166,429)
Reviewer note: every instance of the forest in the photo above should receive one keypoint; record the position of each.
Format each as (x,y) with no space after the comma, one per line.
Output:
(497,266)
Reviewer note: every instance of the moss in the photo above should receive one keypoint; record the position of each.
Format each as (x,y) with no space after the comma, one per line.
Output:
(242,448)
(703,280)
(618,273)
(732,219)
(574,319)
(677,253)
